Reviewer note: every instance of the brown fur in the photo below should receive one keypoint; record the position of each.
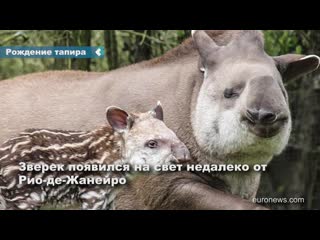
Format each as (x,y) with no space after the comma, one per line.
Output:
(174,79)
(20,149)
(179,191)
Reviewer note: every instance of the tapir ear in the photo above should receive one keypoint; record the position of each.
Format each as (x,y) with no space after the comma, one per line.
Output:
(292,66)
(204,44)
(118,119)
(157,112)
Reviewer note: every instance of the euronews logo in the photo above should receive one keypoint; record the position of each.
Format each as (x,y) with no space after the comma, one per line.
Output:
(51,52)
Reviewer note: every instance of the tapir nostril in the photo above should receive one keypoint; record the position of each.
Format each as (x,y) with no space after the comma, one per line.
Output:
(267,117)
(252,115)
(260,116)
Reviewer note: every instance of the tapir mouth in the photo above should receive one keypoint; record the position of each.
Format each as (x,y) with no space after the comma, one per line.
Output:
(266,130)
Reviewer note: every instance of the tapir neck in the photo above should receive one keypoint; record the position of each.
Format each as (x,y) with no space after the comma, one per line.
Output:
(242,183)
(105,146)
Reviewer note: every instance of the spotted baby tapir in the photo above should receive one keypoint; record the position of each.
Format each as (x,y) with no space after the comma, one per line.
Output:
(133,139)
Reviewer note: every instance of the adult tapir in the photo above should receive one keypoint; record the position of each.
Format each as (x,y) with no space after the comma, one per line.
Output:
(222,95)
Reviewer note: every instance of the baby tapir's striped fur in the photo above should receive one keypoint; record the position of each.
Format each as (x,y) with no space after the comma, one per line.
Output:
(132,139)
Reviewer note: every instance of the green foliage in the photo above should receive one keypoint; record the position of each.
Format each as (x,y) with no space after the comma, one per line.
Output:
(279,42)
(17,66)
(129,46)
(159,41)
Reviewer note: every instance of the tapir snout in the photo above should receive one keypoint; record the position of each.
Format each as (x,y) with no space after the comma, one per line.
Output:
(266,112)
(181,152)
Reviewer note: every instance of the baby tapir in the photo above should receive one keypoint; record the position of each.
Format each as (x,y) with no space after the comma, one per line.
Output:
(133,139)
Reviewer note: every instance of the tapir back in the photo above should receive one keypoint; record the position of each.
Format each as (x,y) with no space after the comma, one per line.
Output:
(75,100)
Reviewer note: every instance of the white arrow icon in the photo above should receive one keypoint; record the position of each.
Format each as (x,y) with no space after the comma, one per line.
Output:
(98,52)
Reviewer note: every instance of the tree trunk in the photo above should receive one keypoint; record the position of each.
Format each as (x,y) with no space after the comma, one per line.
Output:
(313,185)
(81,38)
(111,47)
(142,50)
(296,172)
(62,38)
(314,169)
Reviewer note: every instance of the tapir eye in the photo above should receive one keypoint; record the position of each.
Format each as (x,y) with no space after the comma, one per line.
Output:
(152,144)
(230,93)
